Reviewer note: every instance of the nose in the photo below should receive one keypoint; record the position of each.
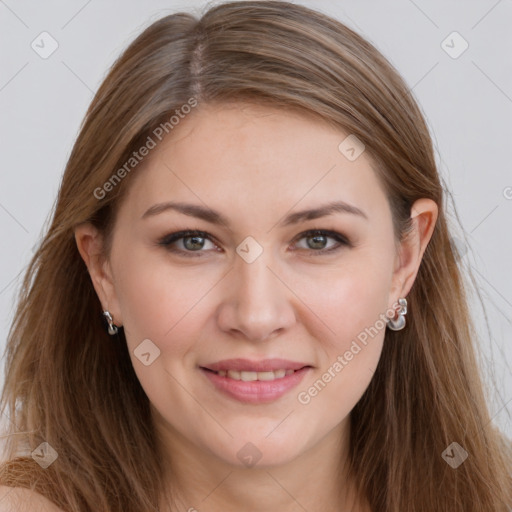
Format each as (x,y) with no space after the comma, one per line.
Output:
(257,304)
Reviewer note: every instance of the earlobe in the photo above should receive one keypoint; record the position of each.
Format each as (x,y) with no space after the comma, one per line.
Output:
(423,219)
(89,242)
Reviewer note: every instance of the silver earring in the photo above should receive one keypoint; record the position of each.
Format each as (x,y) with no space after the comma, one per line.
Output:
(398,323)
(112,328)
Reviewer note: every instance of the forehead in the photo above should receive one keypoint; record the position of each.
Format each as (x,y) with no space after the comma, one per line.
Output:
(255,157)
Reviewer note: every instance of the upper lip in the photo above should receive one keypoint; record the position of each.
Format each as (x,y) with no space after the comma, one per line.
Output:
(246,365)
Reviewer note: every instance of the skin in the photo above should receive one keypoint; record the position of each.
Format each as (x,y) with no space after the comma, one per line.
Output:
(254,165)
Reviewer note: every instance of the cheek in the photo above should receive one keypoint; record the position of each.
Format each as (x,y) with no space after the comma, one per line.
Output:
(158,301)
(354,310)
(353,350)
(352,302)
(352,298)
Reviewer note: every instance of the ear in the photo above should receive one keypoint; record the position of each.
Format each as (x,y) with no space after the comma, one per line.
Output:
(410,251)
(90,245)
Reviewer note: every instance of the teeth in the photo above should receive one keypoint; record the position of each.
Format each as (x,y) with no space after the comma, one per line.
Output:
(233,374)
(252,376)
(248,376)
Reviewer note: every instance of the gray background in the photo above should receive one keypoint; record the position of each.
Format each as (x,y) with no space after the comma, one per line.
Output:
(467,102)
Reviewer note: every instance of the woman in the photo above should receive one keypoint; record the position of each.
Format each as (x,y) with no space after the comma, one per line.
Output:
(247,298)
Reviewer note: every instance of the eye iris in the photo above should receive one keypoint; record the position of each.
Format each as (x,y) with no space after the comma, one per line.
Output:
(318,241)
(197,242)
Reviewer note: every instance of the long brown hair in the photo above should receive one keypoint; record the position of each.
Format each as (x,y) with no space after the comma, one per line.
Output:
(71,385)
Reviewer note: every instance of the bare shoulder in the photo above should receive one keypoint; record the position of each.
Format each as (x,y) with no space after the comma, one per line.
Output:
(18,499)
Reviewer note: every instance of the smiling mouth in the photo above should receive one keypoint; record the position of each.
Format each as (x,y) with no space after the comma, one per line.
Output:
(248,376)
(255,382)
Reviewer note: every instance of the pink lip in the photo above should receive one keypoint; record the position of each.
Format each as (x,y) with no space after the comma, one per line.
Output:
(256,392)
(246,365)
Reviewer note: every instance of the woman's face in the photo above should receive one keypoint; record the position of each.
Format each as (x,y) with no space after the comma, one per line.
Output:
(256,295)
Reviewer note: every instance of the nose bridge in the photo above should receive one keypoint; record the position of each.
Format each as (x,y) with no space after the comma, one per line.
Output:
(257,303)
(255,283)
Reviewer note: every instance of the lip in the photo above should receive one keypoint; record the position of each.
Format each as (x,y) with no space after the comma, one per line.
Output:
(246,365)
(255,392)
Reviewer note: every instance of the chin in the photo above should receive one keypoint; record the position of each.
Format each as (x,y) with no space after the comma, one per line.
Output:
(257,452)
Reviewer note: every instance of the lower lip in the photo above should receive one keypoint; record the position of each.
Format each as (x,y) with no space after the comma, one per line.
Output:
(256,391)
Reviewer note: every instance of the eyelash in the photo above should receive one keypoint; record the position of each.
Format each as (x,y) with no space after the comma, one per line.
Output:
(167,240)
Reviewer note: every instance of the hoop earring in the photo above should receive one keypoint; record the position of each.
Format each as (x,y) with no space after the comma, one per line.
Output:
(398,323)
(112,328)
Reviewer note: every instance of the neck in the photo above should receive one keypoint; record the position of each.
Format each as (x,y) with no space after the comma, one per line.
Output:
(316,480)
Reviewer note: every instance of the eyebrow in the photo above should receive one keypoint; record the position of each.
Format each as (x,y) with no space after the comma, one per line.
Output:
(214,217)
